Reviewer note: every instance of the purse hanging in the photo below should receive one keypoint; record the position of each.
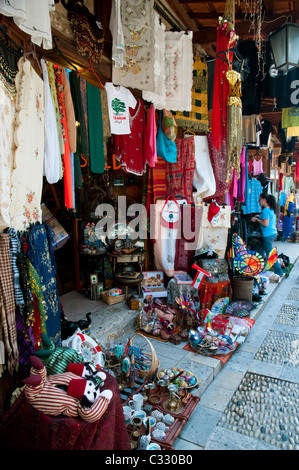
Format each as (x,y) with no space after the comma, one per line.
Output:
(166,148)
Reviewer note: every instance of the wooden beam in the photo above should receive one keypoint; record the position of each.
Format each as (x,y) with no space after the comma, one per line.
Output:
(181,13)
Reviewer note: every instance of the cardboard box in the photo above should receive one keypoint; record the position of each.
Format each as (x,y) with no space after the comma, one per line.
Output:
(153,284)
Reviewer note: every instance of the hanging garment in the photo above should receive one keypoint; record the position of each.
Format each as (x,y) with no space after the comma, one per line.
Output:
(31,17)
(187,242)
(52,148)
(250,124)
(156,186)
(27,177)
(137,17)
(120,99)
(42,257)
(267,129)
(179,70)
(158,96)
(166,148)
(8,67)
(225,40)
(252,194)
(7,119)
(257,166)
(234,123)
(218,160)
(129,149)
(88,31)
(116,29)
(150,145)
(203,179)
(68,125)
(179,175)
(167,226)
(95,129)
(197,119)
(7,301)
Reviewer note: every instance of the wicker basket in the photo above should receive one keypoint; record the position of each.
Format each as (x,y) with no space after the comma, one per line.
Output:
(152,356)
(111,300)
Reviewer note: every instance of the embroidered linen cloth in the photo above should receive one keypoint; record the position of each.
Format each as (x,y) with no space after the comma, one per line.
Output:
(137,18)
(7,114)
(178,70)
(158,95)
(31,17)
(27,177)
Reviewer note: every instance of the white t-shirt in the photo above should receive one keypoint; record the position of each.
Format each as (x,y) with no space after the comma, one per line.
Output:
(120,99)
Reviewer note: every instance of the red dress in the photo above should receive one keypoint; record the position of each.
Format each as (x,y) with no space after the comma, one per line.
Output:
(129,148)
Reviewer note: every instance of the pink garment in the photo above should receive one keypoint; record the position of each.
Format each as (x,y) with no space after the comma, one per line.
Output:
(150,148)
(243,174)
(129,148)
(257,166)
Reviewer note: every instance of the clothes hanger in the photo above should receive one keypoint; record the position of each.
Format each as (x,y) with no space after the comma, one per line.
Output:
(34,56)
(232,49)
(188,130)
(91,69)
(58,51)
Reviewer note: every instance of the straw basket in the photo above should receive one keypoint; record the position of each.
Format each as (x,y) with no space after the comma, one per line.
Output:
(152,356)
(111,300)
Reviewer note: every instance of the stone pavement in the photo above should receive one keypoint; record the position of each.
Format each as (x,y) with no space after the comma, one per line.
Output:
(252,401)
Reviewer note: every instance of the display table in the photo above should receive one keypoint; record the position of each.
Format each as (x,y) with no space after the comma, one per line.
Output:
(126,283)
(25,428)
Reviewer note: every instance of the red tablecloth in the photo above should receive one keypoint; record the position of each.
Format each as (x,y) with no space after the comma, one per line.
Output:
(25,428)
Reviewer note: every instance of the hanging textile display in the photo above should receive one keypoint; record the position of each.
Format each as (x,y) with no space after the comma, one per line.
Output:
(178,70)
(42,257)
(137,18)
(156,186)
(52,148)
(7,301)
(225,40)
(197,119)
(27,177)
(179,175)
(203,179)
(187,242)
(8,67)
(130,148)
(119,99)
(158,95)
(7,116)
(218,161)
(87,30)
(95,129)
(167,214)
(215,222)
(116,29)
(234,123)
(31,17)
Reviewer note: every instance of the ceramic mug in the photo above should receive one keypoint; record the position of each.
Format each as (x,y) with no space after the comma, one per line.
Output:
(139,414)
(152,421)
(153,446)
(128,413)
(136,402)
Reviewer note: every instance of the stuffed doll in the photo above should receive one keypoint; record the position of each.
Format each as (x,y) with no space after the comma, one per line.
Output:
(65,394)
(56,359)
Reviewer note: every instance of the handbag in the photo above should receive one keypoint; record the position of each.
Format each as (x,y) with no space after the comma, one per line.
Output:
(166,148)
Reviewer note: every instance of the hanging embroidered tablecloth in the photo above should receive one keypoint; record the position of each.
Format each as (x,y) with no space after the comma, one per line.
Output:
(27,177)
(137,17)
(7,115)
(178,70)
(197,119)
(158,95)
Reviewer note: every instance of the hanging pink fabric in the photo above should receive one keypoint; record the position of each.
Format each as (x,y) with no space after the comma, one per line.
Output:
(221,87)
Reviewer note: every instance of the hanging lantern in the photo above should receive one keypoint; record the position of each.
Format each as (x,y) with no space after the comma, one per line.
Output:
(285,46)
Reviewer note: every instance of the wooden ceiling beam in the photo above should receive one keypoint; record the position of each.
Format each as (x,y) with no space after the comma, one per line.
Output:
(180,11)
(206,16)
